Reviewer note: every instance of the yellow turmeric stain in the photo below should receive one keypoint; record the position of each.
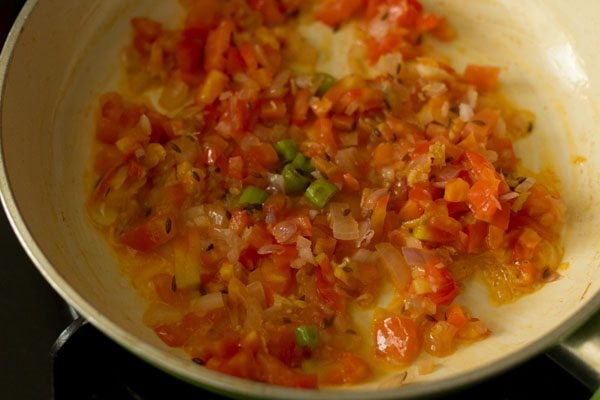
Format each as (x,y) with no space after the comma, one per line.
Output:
(577,159)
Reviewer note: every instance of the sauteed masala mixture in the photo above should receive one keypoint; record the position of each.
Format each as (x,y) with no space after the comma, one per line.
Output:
(293,227)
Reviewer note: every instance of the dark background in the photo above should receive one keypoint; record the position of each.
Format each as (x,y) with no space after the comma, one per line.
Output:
(91,367)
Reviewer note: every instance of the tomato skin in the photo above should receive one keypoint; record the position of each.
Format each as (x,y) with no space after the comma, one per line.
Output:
(397,339)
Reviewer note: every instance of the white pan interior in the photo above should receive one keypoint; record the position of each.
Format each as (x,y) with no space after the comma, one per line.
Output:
(67,54)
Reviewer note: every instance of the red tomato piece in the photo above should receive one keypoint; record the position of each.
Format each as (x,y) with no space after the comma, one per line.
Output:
(275,372)
(397,339)
(270,11)
(445,288)
(348,369)
(217,43)
(484,77)
(150,234)
(335,12)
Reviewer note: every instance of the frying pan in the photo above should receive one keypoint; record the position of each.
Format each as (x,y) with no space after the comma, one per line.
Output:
(61,54)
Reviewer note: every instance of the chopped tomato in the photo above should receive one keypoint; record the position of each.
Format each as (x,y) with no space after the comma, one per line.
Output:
(456,315)
(269,10)
(397,338)
(202,16)
(347,369)
(484,77)
(444,287)
(217,43)
(334,12)
(242,365)
(275,372)
(150,234)
(189,54)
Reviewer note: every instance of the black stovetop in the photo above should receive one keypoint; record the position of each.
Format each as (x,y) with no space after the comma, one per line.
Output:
(89,366)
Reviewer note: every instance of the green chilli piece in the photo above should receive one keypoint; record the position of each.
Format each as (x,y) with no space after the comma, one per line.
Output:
(302,163)
(287,150)
(253,196)
(320,192)
(327,81)
(307,336)
(295,182)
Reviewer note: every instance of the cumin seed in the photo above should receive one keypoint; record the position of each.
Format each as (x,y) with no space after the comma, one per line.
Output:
(175,147)
(198,361)
(327,322)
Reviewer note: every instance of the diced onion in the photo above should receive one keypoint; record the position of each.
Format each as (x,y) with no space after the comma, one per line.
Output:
(276,183)
(509,196)
(256,290)
(344,227)
(159,313)
(525,185)
(365,233)
(207,303)
(371,199)
(305,255)
(284,231)
(414,256)
(448,172)
(232,242)
(174,95)
(433,89)
(196,216)
(392,260)
(364,256)
(278,88)
(472,97)
(271,249)
(346,159)
(465,112)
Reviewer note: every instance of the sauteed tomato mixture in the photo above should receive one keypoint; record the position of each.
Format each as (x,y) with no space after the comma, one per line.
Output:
(302,229)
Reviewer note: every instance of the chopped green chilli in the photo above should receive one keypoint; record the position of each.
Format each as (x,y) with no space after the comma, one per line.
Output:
(307,336)
(253,196)
(320,192)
